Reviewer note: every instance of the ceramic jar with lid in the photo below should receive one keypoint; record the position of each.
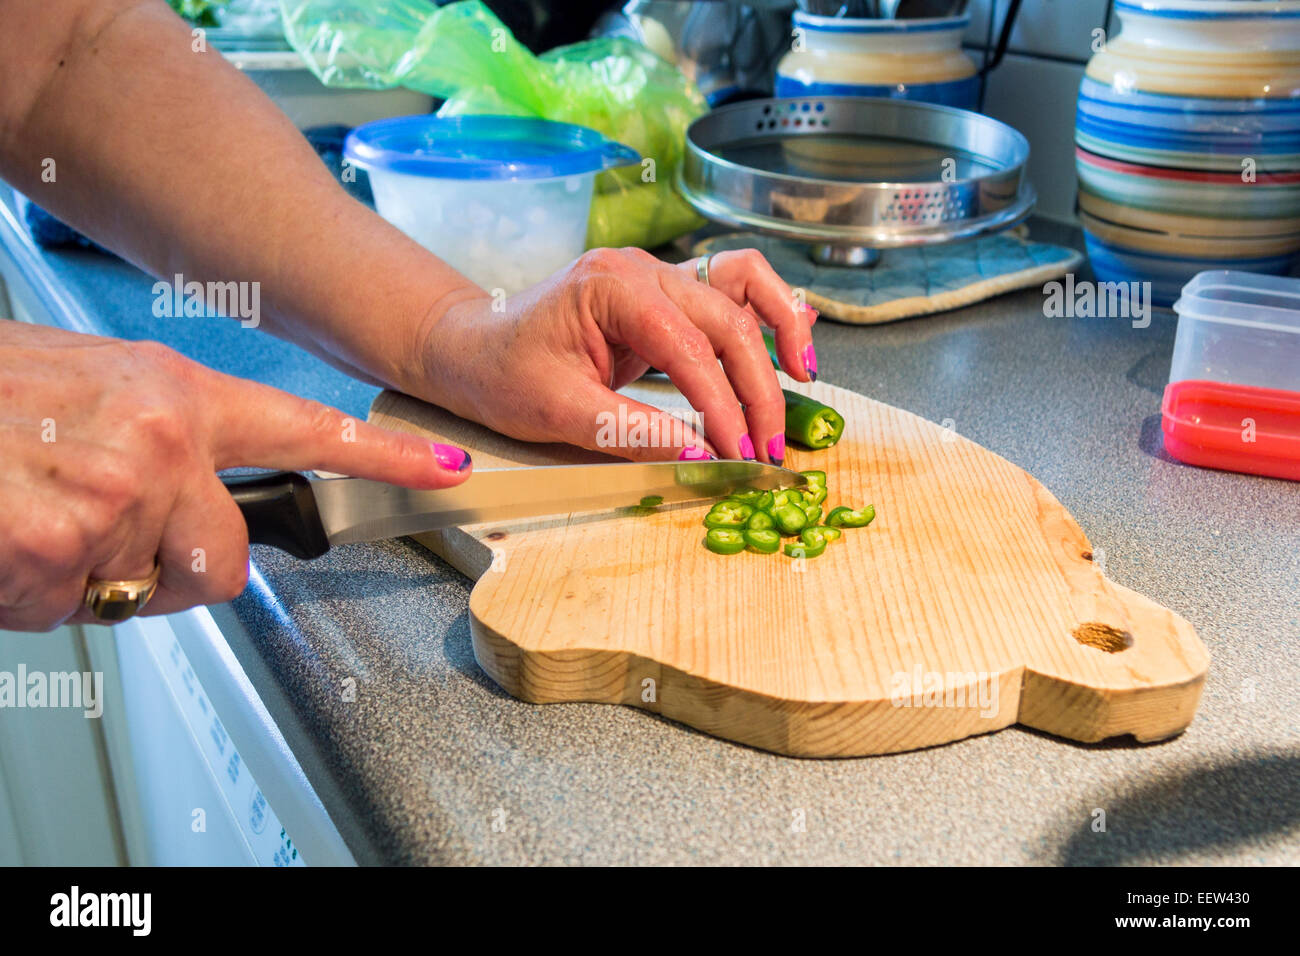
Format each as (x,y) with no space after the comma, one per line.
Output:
(1187,140)
(905,59)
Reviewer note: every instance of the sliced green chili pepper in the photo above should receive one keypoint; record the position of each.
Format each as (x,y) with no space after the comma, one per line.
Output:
(813,496)
(650,501)
(789,518)
(728,514)
(763,541)
(843,517)
(724,541)
(811,423)
(813,540)
(755,521)
(815,479)
(811,543)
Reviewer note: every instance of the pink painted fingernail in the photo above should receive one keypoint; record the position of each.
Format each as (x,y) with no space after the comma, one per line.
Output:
(450,457)
(691,453)
(811,313)
(746,448)
(776,449)
(810,362)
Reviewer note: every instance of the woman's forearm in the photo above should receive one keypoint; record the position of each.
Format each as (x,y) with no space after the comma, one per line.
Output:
(170,156)
(114,121)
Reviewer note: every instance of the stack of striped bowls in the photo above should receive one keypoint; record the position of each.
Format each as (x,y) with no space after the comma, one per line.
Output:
(1187,142)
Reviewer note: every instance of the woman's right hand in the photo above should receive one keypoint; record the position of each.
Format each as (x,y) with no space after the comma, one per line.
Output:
(548,366)
(111,450)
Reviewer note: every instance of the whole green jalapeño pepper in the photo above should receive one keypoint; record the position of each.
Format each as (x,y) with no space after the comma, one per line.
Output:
(810,423)
(807,421)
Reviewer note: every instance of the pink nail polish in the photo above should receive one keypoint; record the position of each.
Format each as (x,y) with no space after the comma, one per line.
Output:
(746,448)
(811,313)
(450,457)
(776,449)
(810,362)
(691,453)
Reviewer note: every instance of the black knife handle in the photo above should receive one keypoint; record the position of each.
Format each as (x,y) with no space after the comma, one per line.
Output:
(280,510)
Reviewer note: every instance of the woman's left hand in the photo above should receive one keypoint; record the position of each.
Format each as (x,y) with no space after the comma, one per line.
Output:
(544,365)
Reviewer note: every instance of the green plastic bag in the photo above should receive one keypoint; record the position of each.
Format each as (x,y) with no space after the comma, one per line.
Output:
(462,53)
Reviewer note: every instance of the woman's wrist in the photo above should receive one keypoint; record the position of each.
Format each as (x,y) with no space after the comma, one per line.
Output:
(436,370)
(366,298)
(440,341)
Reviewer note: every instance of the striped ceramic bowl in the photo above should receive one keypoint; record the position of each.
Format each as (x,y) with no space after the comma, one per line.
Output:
(1188,132)
(1224,195)
(1126,243)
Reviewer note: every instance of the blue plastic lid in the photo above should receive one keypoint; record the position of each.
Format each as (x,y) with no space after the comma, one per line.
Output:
(483,147)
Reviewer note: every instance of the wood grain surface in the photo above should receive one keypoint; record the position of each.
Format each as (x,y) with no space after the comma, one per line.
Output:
(969,604)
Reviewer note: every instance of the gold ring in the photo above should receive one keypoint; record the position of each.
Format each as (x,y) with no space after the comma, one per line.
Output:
(702,268)
(118,600)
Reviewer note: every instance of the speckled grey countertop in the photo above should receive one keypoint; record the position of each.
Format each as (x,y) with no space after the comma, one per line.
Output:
(432,763)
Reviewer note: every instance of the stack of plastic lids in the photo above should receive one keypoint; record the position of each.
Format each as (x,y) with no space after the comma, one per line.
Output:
(1233,398)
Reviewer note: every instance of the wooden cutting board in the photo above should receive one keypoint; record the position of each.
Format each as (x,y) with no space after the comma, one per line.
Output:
(969,604)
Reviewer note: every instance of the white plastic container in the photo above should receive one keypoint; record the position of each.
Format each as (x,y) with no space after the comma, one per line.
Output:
(1239,328)
(504,200)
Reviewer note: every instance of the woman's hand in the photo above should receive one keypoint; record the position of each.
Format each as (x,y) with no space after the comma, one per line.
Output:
(111,450)
(545,367)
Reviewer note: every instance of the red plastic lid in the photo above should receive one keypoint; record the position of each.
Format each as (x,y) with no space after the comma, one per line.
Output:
(1233,427)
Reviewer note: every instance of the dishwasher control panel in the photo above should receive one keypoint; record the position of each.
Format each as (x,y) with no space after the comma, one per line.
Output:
(266,838)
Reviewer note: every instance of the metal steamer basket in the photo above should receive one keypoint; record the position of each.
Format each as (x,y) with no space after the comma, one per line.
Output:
(853,175)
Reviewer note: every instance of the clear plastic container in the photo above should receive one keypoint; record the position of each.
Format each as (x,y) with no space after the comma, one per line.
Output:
(1240,328)
(1233,398)
(503,200)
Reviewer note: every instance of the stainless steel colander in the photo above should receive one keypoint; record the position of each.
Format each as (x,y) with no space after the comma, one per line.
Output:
(853,175)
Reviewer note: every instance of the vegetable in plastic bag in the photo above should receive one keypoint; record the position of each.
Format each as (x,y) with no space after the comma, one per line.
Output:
(462,53)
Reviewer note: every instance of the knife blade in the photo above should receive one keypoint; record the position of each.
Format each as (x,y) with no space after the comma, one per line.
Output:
(307,516)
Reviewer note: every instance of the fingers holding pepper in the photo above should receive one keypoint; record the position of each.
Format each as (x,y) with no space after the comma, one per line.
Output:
(748,279)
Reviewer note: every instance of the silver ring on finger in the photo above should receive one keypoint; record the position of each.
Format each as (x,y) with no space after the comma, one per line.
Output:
(702,268)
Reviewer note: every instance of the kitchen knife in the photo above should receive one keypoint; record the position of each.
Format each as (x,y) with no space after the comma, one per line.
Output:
(307,516)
